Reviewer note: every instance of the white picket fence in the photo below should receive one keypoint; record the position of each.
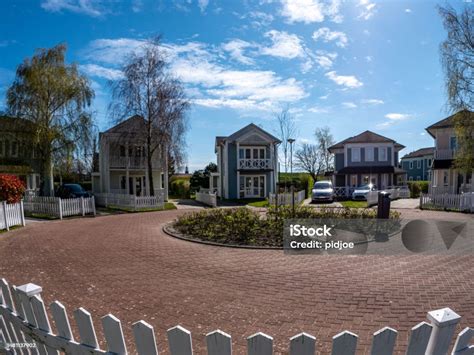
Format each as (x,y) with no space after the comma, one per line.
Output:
(207,198)
(131,201)
(395,193)
(11,214)
(24,319)
(58,207)
(285,198)
(458,202)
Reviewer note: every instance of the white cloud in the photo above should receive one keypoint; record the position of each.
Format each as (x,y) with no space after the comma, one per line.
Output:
(203,4)
(236,48)
(368,9)
(92,8)
(306,11)
(324,61)
(348,81)
(327,35)
(398,116)
(284,45)
(369,58)
(101,72)
(260,19)
(318,109)
(372,102)
(349,105)
(408,11)
(310,11)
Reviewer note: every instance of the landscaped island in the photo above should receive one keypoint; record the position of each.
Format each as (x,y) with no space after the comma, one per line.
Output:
(245,227)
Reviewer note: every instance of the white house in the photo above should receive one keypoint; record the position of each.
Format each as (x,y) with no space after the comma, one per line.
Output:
(122,167)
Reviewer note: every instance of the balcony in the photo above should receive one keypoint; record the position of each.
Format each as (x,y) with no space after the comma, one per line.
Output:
(119,162)
(255,164)
(444,154)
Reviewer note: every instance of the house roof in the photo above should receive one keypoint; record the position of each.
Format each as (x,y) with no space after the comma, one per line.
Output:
(365,137)
(446,122)
(15,124)
(419,153)
(131,124)
(242,131)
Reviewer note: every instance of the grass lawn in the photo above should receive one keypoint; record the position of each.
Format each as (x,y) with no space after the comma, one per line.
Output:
(259,203)
(40,216)
(354,204)
(111,208)
(254,202)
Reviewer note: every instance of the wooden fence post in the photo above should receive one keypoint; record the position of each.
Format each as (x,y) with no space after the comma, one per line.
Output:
(4,204)
(444,323)
(83,209)
(22,213)
(60,208)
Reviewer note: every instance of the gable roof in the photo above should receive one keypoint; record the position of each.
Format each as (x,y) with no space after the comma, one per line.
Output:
(447,122)
(131,124)
(365,137)
(15,124)
(242,131)
(419,153)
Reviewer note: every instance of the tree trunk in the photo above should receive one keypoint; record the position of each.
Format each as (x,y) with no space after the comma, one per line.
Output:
(47,187)
(150,167)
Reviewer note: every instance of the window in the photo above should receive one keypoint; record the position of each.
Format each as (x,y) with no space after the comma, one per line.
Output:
(122,150)
(411,164)
(453,143)
(382,153)
(429,163)
(365,180)
(123,182)
(418,178)
(410,178)
(369,154)
(418,164)
(162,180)
(2,150)
(445,178)
(14,149)
(355,154)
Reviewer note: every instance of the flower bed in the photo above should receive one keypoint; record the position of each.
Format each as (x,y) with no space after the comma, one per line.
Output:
(243,226)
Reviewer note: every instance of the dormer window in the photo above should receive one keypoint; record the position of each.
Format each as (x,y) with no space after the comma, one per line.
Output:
(355,154)
(382,153)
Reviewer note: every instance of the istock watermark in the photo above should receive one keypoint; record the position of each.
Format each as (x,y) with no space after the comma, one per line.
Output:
(377,236)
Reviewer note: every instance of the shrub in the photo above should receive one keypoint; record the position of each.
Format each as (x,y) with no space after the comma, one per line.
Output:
(11,188)
(180,188)
(243,226)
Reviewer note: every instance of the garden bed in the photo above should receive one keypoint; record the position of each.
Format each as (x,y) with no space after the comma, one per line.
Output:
(245,227)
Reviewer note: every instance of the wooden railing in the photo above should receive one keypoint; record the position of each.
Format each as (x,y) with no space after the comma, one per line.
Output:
(286,198)
(127,162)
(444,154)
(131,201)
(255,164)
(457,202)
(58,207)
(24,320)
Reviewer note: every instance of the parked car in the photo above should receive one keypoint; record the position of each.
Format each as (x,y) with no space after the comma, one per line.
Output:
(361,192)
(322,191)
(71,191)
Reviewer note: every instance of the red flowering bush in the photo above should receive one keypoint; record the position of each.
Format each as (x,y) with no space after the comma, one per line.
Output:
(11,188)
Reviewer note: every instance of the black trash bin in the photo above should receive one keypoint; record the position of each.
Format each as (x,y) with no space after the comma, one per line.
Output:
(383,205)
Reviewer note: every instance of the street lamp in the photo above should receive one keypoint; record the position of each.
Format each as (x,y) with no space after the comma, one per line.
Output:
(291,141)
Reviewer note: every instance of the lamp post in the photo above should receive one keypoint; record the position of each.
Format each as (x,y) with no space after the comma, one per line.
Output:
(291,141)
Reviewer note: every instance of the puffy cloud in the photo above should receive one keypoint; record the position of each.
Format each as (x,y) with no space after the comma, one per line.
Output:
(349,105)
(368,9)
(284,45)
(236,48)
(101,72)
(93,8)
(348,81)
(372,102)
(398,116)
(310,11)
(327,35)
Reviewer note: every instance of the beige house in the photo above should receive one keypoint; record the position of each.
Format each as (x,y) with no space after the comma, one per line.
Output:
(122,166)
(445,178)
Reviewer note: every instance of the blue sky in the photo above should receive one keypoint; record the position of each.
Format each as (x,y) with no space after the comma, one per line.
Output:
(350,65)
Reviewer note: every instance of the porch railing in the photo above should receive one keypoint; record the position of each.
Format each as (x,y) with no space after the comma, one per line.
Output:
(130,162)
(444,154)
(255,164)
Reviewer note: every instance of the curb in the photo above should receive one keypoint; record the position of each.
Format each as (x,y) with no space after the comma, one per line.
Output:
(170,231)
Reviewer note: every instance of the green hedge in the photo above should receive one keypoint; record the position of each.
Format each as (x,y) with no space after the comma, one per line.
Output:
(418,187)
(301,181)
(180,188)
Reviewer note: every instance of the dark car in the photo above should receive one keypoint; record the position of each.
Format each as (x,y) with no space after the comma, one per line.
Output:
(71,191)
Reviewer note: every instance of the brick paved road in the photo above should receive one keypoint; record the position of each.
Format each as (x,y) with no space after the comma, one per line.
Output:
(125,265)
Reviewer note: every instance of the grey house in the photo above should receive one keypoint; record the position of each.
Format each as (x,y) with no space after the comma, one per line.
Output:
(247,163)
(418,164)
(367,158)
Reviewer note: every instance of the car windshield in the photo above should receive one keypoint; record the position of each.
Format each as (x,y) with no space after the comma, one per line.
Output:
(75,188)
(322,185)
(364,187)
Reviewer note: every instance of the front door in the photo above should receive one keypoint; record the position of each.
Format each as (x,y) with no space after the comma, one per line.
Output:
(254,186)
(137,185)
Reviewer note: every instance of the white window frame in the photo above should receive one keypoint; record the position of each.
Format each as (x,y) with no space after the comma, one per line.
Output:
(411,164)
(252,151)
(384,149)
(418,164)
(353,159)
(367,150)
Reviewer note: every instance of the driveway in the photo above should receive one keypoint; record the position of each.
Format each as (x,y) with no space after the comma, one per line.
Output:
(125,265)
(308,202)
(409,203)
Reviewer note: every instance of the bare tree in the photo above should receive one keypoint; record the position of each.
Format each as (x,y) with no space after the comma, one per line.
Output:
(286,130)
(309,159)
(324,140)
(149,90)
(457,58)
